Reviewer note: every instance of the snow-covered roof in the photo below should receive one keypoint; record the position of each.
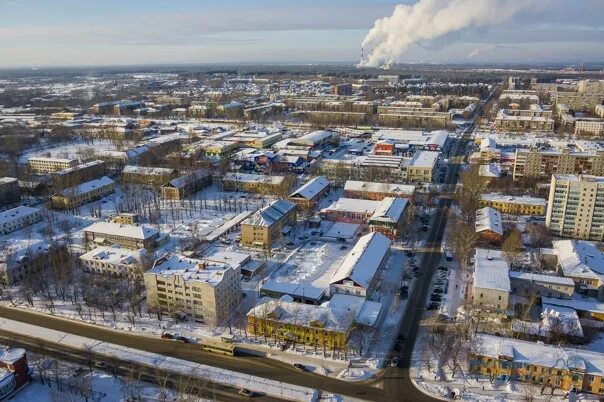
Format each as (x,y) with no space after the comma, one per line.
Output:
(57,160)
(270,214)
(540,354)
(192,177)
(228,257)
(10,355)
(490,170)
(15,213)
(390,210)
(489,219)
(353,205)
(253,178)
(146,170)
(115,255)
(311,188)
(313,138)
(579,258)
(424,159)
(491,271)
(190,269)
(122,229)
(363,261)
(301,290)
(512,199)
(309,315)
(400,190)
(368,311)
(5,180)
(87,186)
(531,277)
(78,167)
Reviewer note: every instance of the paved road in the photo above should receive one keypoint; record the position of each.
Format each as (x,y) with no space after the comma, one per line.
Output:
(397,380)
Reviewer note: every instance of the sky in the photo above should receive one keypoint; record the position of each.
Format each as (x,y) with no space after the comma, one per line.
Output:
(39,33)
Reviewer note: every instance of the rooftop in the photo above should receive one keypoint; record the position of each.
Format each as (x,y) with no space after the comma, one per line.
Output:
(491,270)
(363,261)
(122,229)
(15,213)
(190,269)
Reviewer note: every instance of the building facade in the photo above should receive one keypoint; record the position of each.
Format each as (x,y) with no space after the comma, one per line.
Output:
(83,193)
(209,292)
(576,207)
(18,218)
(39,165)
(184,186)
(266,226)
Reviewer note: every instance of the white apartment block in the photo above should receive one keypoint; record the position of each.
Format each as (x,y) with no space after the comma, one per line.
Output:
(208,291)
(49,165)
(115,261)
(589,126)
(576,207)
(18,218)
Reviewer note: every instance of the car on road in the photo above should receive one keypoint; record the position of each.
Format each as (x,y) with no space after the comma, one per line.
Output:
(435,298)
(300,367)
(400,339)
(437,290)
(246,392)
(182,339)
(433,306)
(100,365)
(394,362)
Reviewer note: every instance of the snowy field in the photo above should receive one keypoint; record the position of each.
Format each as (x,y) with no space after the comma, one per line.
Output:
(76,150)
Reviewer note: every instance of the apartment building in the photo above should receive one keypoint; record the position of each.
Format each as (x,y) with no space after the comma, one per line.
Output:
(513,123)
(39,165)
(311,192)
(358,273)
(537,363)
(254,183)
(152,176)
(544,163)
(83,193)
(125,217)
(517,205)
(18,261)
(184,186)
(576,207)
(18,218)
(10,192)
(73,176)
(376,191)
(344,89)
(115,261)
(586,126)
(405,117)
(267,225)
(209,292)
(128,236)
(422,166)
(388,217)
(325,326)
(491,283)
(599,111)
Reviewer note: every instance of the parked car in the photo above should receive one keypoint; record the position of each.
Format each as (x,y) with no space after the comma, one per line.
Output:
(433,306)
(167,335)
(246,392)
(300,367)
(182,339)
(394,362)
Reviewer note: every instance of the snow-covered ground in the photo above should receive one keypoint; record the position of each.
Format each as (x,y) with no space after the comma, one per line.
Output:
(104,388)
(232,378)
(73,150)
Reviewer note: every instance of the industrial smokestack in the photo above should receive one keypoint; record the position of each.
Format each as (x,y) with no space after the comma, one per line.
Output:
(426,20)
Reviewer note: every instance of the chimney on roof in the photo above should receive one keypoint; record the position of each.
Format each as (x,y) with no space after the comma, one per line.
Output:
(201,265)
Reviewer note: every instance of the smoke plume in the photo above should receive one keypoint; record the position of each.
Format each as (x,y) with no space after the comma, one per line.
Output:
(427,20)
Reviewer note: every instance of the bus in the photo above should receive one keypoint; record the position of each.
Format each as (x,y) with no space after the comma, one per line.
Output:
(221,348)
